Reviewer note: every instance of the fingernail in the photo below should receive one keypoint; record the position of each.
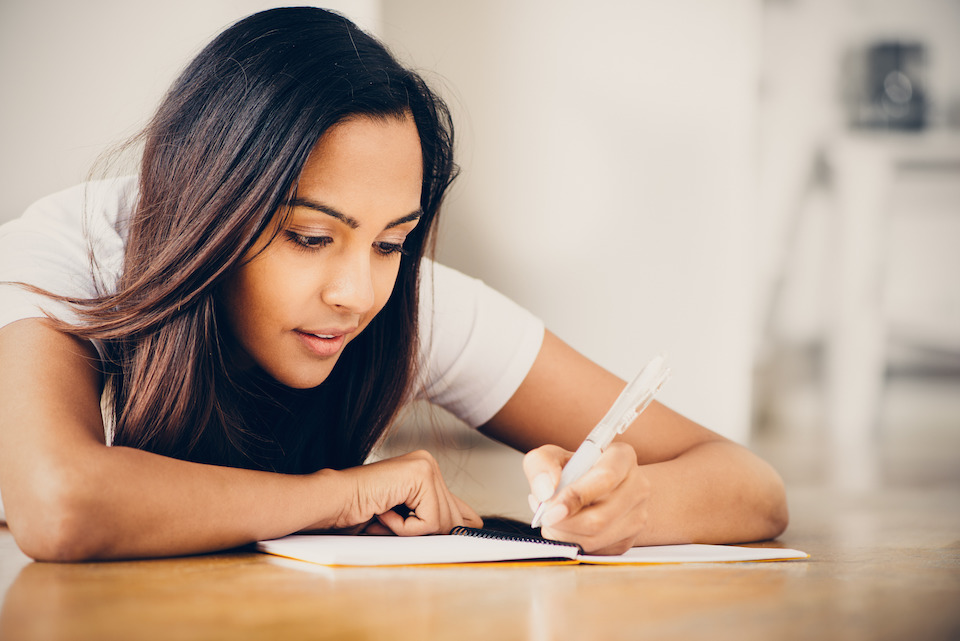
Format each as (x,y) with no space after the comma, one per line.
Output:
(534,503)
(542,486)
(554,515)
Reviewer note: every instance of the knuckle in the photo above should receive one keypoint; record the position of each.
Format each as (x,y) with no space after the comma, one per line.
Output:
(592,522)
(541,457)
(421,455)
(575,497)
(606,477)
(423,467)
(531,462)
(549,449)
(639,486)
(642,517)
(624,451)
(645,486)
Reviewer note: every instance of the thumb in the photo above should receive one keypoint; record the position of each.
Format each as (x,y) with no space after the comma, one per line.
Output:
(467,513)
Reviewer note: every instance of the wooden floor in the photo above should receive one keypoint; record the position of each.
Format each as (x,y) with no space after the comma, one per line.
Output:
(885,565)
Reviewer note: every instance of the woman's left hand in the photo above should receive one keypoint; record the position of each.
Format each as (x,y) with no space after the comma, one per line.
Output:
(603,511)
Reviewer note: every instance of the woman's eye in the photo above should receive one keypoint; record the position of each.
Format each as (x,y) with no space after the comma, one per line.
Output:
(309,242)
(386,249)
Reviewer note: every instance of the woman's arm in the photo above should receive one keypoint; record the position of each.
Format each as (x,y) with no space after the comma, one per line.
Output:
(665,480)
(68,496)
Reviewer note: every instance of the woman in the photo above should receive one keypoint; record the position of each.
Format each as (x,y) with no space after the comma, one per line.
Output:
(266,324)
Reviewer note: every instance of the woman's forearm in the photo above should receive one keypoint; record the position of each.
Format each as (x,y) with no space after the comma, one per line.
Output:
(716,492)
(123,503)
(67,496)
(127,503)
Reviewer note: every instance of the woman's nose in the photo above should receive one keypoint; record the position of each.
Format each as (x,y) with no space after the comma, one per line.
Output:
(350,285)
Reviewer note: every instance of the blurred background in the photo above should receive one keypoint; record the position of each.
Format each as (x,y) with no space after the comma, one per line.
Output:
(767,191)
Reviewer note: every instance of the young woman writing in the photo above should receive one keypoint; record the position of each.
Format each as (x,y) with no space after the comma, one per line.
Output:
(258,307)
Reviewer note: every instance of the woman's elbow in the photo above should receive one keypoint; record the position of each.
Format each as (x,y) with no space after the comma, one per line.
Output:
(775,513)
(777,522)
(55,522)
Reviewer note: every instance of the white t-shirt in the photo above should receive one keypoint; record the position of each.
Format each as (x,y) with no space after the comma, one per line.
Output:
(476,345)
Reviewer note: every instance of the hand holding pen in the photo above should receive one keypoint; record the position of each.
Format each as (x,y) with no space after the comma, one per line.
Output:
(635,398)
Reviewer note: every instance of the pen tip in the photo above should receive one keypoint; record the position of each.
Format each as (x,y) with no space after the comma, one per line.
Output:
(535,523)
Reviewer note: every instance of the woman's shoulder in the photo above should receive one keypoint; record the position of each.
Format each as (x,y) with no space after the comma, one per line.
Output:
(107,200)
(476,344)
(50,247)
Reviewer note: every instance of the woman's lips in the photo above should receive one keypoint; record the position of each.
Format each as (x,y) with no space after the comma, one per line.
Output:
(323,344)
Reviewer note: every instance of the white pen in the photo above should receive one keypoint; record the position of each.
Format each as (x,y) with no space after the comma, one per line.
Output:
(632,401)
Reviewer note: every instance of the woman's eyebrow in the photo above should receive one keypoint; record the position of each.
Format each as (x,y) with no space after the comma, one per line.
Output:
(325,209)
(350,221)
(414,215)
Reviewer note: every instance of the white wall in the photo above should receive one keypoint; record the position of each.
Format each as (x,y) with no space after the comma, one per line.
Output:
(79,77)
(608,155)
(607,152)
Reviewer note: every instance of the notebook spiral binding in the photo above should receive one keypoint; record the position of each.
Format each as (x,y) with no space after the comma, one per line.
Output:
(509,536)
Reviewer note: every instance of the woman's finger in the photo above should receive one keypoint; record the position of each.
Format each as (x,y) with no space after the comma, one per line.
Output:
(611,524)
(542,467)
(375,527)
(469,516)
(612,468)
(433,508)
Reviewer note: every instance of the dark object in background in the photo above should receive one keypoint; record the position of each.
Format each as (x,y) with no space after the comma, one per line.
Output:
(891,95)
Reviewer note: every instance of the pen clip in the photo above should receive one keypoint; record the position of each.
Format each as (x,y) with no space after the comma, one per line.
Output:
(641,404)
(634,398)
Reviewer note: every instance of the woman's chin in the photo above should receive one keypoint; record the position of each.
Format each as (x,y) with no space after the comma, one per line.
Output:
(303,379)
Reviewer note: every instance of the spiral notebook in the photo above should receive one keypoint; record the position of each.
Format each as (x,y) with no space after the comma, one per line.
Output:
(469,545)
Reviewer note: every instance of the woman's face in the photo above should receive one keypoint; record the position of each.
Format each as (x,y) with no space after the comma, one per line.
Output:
(298,301)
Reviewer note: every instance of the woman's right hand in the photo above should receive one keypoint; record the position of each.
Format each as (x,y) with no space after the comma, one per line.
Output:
(412,481)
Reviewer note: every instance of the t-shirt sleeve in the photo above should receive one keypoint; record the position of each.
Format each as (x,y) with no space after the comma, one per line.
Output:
(477,345)
(50,247)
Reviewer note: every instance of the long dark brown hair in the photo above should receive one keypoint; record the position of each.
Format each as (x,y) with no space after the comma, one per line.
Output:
(221,157)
